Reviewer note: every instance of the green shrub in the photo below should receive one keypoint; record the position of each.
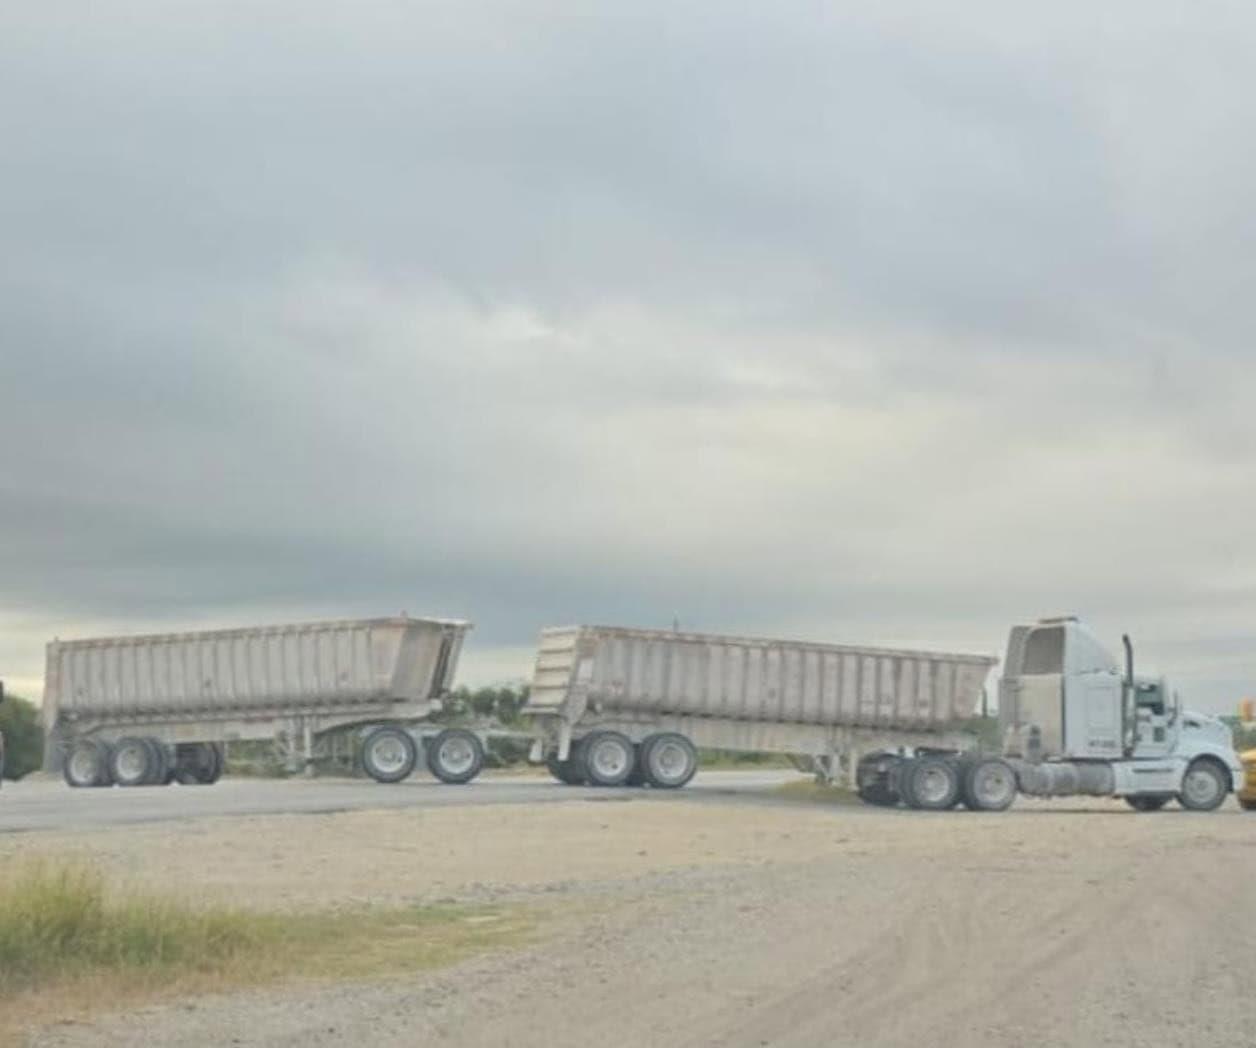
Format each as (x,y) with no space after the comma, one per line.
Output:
(23,737)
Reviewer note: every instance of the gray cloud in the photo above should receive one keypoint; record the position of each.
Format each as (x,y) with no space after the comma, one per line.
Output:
(884,326)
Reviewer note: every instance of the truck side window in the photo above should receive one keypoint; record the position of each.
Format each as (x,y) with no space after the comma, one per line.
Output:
(1149,697)
(1044,651)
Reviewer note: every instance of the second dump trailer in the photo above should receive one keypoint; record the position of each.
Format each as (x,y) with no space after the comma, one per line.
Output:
(612,706)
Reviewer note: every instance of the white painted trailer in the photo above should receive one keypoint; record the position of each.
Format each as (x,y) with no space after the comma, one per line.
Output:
(614,706)
(154,709)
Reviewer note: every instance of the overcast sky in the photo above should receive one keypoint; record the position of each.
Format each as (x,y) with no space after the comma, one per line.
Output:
(855,322)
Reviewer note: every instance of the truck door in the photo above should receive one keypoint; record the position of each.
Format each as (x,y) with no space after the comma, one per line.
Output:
(1153,731)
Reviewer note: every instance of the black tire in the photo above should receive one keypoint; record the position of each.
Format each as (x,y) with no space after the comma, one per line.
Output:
(162,760)
(636,777)
(989,784)
(87,764)
(901,778)
(1204,787)
(668,761)
(197,764)
(564,771)
(607,758)
(455,756)
(1248,805)
(1147,802)
(389,754)
(932,783)
(877,787)
(132,762)
(220,763)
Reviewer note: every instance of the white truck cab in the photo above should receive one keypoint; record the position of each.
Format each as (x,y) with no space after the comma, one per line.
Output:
(1067,709)
(1073,722)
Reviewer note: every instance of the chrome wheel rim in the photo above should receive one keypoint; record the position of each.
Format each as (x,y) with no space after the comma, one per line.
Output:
(610,759)
(933,786)
(1201,786)
(83,764)
(670,761)
(132,762)
(389,754)
(456,756)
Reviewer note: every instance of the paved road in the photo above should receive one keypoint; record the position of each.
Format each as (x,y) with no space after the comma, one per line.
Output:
(45,805)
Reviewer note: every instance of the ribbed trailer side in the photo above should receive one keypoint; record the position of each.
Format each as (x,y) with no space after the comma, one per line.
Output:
(225,673)
(750,679)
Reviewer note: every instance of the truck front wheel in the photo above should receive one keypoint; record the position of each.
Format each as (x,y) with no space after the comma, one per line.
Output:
(1204,787)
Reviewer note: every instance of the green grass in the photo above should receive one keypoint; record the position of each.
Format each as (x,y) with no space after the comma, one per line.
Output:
(70,944)
(810,792)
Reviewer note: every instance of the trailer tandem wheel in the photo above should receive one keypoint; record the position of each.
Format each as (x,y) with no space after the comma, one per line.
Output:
(87,764)
(668,760)
(132,762)
(608,758)
(389,754)
(455,756)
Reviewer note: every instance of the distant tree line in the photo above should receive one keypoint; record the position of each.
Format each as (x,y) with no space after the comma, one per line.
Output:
(23,737)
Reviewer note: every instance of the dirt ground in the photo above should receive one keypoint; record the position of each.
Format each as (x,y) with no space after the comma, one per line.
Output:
(738,923)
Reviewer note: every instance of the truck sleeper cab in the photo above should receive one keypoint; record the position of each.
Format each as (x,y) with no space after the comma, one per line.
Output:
(1072,723)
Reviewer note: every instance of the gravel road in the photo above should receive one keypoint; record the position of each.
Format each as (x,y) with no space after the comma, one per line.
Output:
(43,804)
(745,925)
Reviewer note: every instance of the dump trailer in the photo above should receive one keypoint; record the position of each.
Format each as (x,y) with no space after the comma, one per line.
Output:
(152,710)
(1073,723)
(613,706)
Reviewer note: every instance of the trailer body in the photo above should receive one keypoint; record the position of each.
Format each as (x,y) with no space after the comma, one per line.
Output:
(291,683)
(824,702)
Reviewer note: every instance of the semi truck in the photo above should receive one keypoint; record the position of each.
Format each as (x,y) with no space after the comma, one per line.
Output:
(616,707)
(1073,722)
(157,709)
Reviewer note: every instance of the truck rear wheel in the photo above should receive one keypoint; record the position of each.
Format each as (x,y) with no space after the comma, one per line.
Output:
(932,783)
(608,758)
(87,764)
(668,761)
(1147,802)
(389,754)
(133,762)
(1204,787)
(455,756)
(989,785)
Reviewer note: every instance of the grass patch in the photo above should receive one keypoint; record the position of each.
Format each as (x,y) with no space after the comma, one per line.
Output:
(810,792)
(69,945)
